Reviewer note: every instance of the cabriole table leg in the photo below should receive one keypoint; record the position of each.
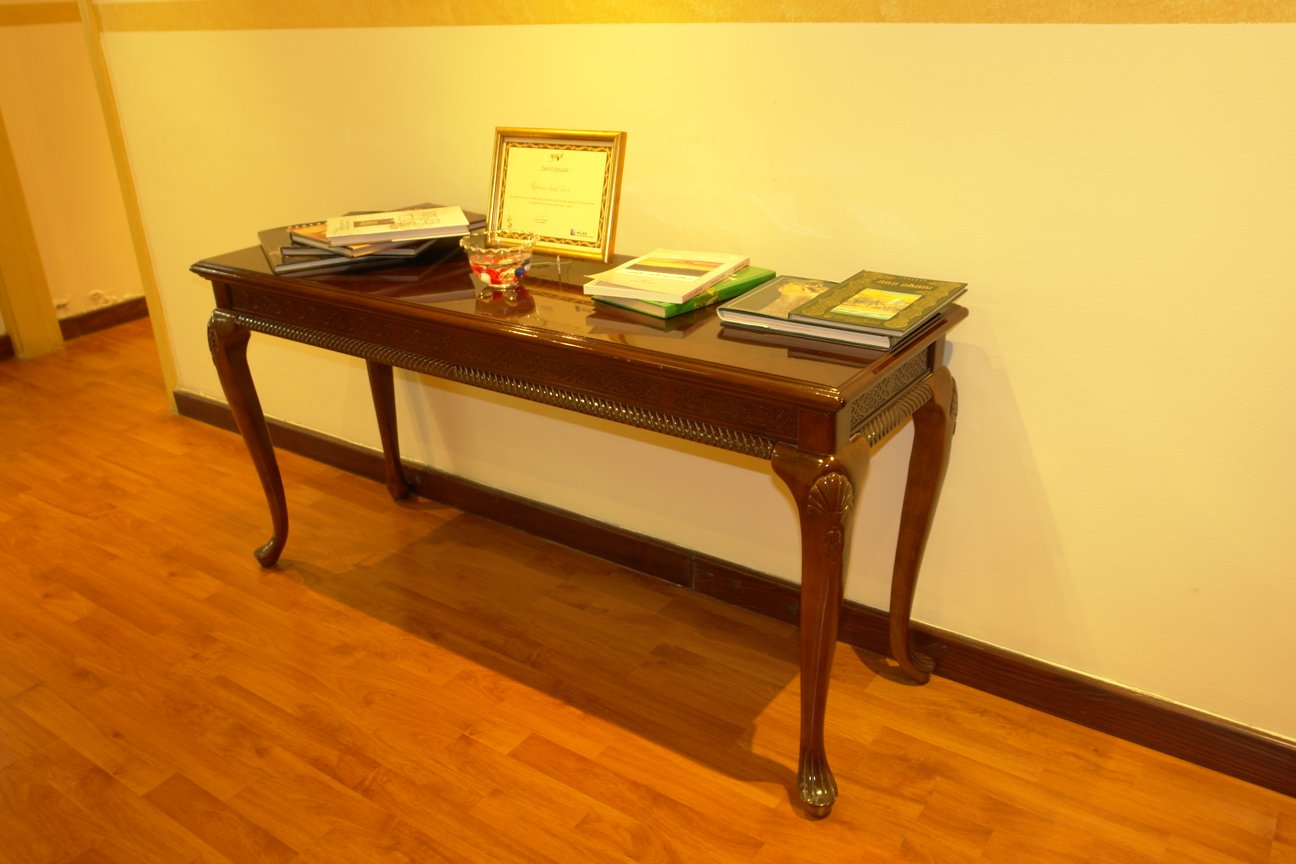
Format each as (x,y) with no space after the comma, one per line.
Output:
(824,494)
(933,431)
(383,390)
(228,341)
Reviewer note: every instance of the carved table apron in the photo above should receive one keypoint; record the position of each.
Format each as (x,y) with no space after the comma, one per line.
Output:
(814,410)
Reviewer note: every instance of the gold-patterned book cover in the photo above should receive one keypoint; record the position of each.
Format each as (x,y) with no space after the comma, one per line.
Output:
(883,303)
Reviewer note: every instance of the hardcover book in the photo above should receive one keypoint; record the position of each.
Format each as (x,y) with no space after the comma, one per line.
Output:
(666,275)
(738,283)
(805,347)
(769,307)
(274,239)
(881,303)
(771,303)
(312,234)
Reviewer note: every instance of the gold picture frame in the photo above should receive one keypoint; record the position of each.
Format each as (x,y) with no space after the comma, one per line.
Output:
(561,185)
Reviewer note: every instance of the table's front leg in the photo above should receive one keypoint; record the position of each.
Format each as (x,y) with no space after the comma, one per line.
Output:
(383,389)
(228,341)
(824,494)
(933,431)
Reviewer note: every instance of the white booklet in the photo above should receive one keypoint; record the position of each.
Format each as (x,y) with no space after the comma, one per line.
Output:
(670,275)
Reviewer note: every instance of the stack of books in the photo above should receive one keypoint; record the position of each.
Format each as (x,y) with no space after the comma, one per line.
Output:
(363,239)
(876,310)
(667,283)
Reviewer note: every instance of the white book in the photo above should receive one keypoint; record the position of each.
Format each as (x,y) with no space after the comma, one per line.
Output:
(666,275)
(417,224)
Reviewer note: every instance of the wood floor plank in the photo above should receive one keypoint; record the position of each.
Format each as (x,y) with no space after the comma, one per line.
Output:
(1283,848)
(92,737)
(715,838)
(131,823)
(220,826)
(414,684)
(53,829)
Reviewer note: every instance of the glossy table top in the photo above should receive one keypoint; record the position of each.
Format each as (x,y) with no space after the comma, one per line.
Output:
(439,287)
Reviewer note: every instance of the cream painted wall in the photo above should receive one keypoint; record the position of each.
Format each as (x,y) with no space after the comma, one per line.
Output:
(60,144)
(1121,199)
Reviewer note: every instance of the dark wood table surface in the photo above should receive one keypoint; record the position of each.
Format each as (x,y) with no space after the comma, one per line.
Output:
(804,405)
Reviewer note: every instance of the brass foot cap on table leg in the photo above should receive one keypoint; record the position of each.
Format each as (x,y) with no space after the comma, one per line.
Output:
(819,812)
(267,555)
(818,792)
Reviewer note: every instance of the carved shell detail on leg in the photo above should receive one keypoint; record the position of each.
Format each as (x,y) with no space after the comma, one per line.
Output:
(831,497)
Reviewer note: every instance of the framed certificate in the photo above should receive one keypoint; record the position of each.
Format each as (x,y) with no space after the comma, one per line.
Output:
(561,185)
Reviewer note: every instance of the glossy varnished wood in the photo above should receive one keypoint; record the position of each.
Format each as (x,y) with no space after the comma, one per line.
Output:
(165,699)
(797,405)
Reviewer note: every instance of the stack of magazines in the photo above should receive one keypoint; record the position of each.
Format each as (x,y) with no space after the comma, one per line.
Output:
(363,239)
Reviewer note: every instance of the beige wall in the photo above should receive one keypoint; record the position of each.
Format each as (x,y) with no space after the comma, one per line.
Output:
(1121,199)
(56,132)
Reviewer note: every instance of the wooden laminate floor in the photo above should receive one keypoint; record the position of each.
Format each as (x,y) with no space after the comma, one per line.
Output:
(414,684)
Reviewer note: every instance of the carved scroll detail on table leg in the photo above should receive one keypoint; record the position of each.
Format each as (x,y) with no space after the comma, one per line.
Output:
(933,431)
(824,494)
(228,343)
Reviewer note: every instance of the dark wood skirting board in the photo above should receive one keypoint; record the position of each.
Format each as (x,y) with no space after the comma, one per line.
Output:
(88,322)
(103,317)
(1163,726)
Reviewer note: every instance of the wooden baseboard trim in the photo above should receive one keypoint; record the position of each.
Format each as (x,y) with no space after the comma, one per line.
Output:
(1229,748)
(104,317)
(88,322)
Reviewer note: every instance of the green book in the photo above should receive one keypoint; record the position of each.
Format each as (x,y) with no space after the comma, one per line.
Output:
(744,280)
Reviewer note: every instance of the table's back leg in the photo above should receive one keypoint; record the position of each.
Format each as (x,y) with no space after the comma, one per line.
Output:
(824,494)
(933,431)
(228,341)
(383,389)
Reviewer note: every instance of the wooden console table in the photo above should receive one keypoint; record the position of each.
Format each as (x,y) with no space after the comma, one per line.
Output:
(801,404)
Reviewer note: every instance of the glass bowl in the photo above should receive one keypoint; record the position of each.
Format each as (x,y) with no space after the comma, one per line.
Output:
(498,266)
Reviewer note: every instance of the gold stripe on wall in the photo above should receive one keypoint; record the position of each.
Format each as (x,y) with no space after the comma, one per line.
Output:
(24,14)
(315,14)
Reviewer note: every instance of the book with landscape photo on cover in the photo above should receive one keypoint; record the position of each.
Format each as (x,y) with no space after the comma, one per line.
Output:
(768,307)
(666,275)
(738,283)
(410,224)
(881,303)
(770,304)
